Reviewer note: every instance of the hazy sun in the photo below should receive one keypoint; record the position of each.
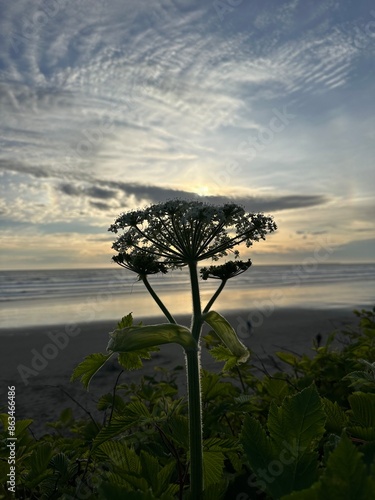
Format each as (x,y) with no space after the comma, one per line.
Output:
(202,191)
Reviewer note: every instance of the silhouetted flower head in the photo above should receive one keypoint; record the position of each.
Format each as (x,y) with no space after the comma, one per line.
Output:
(225,271)
(179,232)
(142,263)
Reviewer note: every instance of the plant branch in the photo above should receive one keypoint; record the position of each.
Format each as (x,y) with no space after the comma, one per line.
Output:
(215,296)
(159,302)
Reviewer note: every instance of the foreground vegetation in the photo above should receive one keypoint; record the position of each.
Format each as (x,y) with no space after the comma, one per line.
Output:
(306,431)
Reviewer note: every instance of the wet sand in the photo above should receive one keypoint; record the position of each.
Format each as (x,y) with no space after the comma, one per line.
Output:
(39,360)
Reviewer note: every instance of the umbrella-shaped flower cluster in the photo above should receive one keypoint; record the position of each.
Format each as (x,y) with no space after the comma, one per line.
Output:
(180,232)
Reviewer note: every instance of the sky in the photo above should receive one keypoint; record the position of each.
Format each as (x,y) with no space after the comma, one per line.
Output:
(110,105)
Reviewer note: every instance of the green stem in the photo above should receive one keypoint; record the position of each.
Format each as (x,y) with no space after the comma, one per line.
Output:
(194,393)
(195,424)
(214,297)
(153,294)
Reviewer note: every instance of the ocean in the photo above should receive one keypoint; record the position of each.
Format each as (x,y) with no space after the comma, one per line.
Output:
(52,297)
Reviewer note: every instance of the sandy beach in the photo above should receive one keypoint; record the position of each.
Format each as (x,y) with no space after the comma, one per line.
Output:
(39,361)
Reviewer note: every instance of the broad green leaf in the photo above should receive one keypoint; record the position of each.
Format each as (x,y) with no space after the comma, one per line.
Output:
(220,444)
(125,463)
(178,430)
(136,338)
(138,410)
(60,463)
(117,426)
(360,378)
(38,463)
(276,388)
(213,464)
(133,360)
(345,475)
(222,353)
(212,387)
(365,433)
(40,458)
(363,408)
(256,444)
(288,455)
(136,413)
(216,491)
(150,469)
(227,335)
(336,417)
(107,401)
(164,477)
(294,428)
(301,417)
(89,366)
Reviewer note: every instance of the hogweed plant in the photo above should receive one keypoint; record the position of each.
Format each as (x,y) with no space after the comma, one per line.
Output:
(168,236)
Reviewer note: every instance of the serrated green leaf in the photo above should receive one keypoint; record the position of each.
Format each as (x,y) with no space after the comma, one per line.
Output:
(150,470)
(363,408)
(222,353)
(345,475)
(221,444)
(212,387)
(138,410)
(133,360)
(360,378)
(364,433)
(295,428)
(178,430)
(116,427)
(213,464)
(136,338)
(301,417)
(107,401)
(288,455)
(125,321)
(164,477)
(256,444)
(124,462)
(276,388)
(88,367)
(227,335)
(38,463)
(136,414)
(336,417)
(216,491)
(60,463)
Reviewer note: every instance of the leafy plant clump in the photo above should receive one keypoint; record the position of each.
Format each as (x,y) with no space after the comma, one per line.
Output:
(267,436)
